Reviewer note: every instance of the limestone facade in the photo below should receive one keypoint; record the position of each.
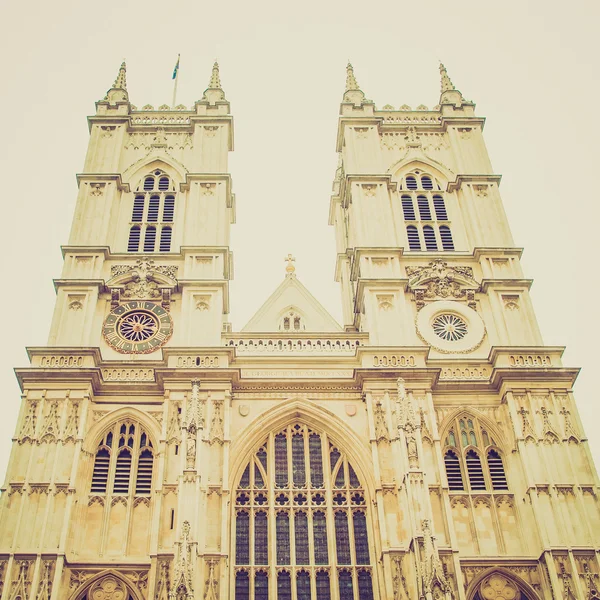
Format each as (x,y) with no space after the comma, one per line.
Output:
(429,447)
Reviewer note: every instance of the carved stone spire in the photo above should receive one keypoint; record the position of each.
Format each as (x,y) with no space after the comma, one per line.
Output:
(214,92)
(182,588)
(446,81)
(353,93)
(118,91)
(351,83)
(435,584)
(449,94)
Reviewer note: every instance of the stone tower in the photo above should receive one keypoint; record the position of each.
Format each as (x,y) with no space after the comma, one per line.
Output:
(427,448)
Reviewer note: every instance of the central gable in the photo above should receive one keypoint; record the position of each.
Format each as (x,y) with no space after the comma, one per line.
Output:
(291,308)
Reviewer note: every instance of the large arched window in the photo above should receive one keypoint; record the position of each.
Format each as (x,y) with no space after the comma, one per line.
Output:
(301,522)
(152,215)
(472,459)
(124,462)
(430,227)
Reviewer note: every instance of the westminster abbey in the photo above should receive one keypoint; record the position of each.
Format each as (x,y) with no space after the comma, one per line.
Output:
(429,447)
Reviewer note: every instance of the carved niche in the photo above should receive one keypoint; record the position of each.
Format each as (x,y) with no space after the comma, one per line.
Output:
(437,281)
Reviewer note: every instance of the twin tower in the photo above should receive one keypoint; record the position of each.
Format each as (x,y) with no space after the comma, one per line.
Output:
(428,447)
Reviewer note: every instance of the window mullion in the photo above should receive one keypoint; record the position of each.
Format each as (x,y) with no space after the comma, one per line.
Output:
(272,531)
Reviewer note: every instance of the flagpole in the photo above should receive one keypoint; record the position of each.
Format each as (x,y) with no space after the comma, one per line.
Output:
(176,78)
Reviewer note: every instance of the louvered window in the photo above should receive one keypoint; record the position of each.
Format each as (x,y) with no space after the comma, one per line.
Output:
(124,455)
(408,208)
(153,209)
(446,236)
(150,239)
(138,209)
(424,210)
(154,203)
(133,244)
(440,208)
(426,183)
(411,183)
(497,474)
(429,235)
(423,192)
(123,472)
(169,209)
(101,467)
(453,472)
(311,510)
(143,484)
(165,239)
(475,471)
(414,243)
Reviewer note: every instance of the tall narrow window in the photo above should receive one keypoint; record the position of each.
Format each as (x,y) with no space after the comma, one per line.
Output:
(123,472)
(261,586)
(440,208)
(138,209)
(169,209)
(150,239)
(497,474)
(283,538)
(424,210)
(284,586)
(475,471)
(133,244)
(101,467)
(242,538)
(429,235)
(361,539)
(323,586)
(153,209)
(408,208)
(453,472)
(288,511)
(345,583)
(365,585)
(165,239)
(242,585)
(446,236)
(414,243)
(303,585)
(143,484)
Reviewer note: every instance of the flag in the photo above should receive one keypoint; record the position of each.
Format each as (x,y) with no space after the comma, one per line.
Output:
(176,68)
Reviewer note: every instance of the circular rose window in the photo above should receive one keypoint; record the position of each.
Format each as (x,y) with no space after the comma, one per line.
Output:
(449,327)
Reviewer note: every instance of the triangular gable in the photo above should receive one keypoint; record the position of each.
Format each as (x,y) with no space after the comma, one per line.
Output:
(292,297)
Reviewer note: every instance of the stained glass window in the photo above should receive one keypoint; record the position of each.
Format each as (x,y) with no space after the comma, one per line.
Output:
(286,509)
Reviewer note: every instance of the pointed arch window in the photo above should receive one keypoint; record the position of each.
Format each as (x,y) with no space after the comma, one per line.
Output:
(124,454)
(300,496)
(153,205)
(424,192)
(472,457)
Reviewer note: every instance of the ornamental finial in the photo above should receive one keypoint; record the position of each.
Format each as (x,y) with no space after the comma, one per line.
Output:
(446,82)
(121,80)
(290,268)
(351,83)
(215,79)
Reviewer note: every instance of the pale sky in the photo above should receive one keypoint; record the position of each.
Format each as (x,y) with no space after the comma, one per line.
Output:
(531,68)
